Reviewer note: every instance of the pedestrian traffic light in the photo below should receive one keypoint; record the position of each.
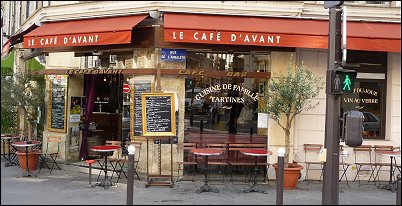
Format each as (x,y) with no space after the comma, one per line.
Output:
(342,81)
(353,128)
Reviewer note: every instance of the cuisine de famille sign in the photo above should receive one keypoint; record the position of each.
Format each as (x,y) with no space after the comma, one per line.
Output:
(212,90)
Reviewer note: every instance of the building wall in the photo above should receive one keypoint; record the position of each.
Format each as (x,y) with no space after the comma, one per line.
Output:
(309,126)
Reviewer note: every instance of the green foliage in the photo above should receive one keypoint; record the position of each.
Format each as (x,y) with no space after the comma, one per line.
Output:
(289,94)
(25,91)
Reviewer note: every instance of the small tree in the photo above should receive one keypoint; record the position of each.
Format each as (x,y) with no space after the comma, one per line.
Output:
(289,94)
(24,91)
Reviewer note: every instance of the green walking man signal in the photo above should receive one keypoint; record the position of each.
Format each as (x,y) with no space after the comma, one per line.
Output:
(341,81)
(346,83)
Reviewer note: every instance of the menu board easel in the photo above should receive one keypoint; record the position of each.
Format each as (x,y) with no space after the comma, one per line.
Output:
(159,123)
(57,103)
(139,87)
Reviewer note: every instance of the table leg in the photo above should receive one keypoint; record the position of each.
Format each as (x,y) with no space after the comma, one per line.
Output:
(27,173)
(206,187)
(390,185)
(9,163)
(254,188)
(105,183)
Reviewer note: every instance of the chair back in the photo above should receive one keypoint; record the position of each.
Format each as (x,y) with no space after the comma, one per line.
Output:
(118,153)
(363,152)
(185,150)
(138,147)
(311,152)
(378,158)
(52,142)
(220,146)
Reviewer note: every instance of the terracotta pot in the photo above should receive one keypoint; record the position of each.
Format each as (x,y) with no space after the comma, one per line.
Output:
(291,175)
(33,159)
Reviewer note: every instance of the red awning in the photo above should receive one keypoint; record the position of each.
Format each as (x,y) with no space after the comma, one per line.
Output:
(281,32)
(86,32)
(5,49)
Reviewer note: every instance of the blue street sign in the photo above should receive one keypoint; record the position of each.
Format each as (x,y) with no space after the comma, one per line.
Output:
(177,55)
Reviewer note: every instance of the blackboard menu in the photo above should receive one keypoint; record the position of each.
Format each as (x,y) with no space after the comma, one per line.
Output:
(139,88)
(158,114)
(57,104)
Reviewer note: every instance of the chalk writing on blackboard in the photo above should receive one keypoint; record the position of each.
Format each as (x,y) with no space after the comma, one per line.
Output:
(158,114)
(57,104)
(139,88)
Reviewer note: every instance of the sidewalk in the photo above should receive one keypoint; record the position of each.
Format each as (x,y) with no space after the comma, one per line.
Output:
(64,187)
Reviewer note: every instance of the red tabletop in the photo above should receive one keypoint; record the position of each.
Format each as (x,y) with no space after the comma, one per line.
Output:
(105,148)
(206,151)
(390,153)
(26,144)
(255,152)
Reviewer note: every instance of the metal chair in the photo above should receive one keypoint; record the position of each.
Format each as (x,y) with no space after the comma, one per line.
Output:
(122,162)
(360,152)
(185,150)
(311,153)
(380,162)
(220,161)
(343,154)
(52,141)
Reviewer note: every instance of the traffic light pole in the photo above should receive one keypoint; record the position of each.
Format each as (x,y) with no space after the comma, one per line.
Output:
(330,191)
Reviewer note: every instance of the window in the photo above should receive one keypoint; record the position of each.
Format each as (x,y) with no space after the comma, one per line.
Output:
(224,104)
(369,91)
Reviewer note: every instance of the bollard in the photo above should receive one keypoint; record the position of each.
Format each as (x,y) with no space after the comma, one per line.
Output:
(130,175)
(398,190)
(251,131)
(279,177)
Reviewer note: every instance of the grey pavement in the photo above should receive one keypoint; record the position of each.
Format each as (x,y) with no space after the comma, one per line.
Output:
(69,187)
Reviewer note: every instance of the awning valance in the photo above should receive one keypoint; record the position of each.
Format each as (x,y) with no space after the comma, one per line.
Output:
(86,32)
(280,32)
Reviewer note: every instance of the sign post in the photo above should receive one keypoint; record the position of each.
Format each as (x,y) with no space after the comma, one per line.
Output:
(330,187)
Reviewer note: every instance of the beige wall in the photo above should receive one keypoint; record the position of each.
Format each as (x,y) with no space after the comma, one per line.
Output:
(62,60)
(309,126)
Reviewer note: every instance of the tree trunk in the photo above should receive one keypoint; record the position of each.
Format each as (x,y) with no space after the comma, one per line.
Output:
(287,147)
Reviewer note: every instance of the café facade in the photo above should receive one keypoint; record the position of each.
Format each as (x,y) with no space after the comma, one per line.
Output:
(216,65)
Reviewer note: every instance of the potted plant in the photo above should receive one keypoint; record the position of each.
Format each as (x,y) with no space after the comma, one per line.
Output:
(24,92)
(286,96)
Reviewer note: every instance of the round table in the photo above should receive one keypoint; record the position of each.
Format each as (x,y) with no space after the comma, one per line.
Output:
(206,152)
(105,150)
(8,138)
(26,144)
(256,153)
(393,155)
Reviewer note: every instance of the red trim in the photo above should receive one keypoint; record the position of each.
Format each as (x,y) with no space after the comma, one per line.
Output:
(87,32)
(5,49)
(256,151)
(105,147)
(303,33)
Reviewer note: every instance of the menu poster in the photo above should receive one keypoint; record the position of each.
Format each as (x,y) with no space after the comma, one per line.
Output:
(57,103)
(158,114)
(139,88)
